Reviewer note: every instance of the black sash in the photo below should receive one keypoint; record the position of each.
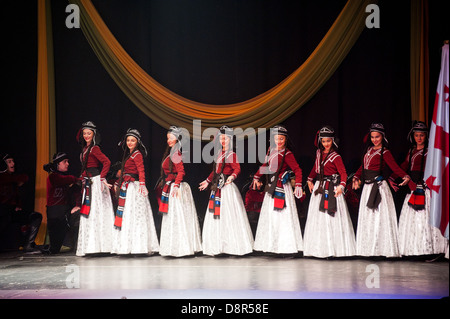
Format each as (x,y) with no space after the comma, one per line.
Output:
(375,178)
(328,202)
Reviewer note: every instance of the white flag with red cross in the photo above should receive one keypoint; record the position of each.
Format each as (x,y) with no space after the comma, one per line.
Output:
(436,168)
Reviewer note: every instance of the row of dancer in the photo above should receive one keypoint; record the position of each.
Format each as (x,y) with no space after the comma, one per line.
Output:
(226,230)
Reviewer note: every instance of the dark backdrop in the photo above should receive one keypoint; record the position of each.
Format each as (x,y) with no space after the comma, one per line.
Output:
(218,52)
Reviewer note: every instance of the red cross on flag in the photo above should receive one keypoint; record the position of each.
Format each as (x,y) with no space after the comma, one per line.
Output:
(436,168)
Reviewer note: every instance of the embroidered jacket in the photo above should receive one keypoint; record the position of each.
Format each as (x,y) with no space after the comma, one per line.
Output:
(275,159)
(372,162)
(96,159)
(333,165)
(232,166)
(177,173)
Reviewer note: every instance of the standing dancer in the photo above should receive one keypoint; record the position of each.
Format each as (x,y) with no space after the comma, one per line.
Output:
(180,229)
(97,214)
(377,231)
(329,230)
(226,229)
(134,227)
(416,235)
(278,228)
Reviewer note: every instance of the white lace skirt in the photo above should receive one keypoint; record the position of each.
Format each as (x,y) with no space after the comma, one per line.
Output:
(231,232)
(377,230)
(279,231)
(95,232)
(416,235)
(180,229)
(325,235)
(137,234)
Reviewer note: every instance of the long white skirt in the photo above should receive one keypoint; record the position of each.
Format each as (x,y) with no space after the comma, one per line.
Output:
(377,230)
(180,229)
(231,232)
(416,235)
(279,231)
(137,234)
(95,232)
(325,235)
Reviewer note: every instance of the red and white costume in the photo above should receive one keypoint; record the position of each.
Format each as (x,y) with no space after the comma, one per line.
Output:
(377,230)
(95,232)
(134,231)
(328,234)
(226,228)
(278,229)
(180,228)
(416,235)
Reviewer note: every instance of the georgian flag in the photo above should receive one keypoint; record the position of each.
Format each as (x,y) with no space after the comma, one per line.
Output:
(436,168)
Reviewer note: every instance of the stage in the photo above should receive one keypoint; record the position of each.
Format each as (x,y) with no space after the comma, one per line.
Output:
(66,276)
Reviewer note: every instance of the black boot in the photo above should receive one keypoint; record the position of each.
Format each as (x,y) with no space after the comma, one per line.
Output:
(35,223)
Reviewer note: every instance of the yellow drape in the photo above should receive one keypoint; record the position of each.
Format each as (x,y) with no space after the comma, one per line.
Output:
(45,112)
(274,106)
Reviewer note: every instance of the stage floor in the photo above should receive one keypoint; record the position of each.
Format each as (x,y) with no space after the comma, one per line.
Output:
(66,276)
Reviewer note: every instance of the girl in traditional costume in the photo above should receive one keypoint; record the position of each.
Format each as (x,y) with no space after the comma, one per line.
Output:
(377,230)
(416,235)
(134,227)
(96,214)
(180,229)
(278,228)
(226,229)
(329,229)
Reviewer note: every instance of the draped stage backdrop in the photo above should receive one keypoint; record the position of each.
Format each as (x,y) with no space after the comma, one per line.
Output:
(147,64)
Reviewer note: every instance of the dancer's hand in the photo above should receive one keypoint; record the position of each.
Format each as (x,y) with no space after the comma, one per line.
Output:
(338,190)
(105,184)
(176,192)
(143,190)
(230,180)
(310,186)
(203,185)
(393,185)
(298,192)
(405,181)
(356,183)
(256,185)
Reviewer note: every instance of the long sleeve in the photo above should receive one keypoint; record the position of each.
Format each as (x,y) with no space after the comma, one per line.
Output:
(232,166)
(96,159)
(178,165)
(138,161)
(293,165)
(390,161)
(106,163)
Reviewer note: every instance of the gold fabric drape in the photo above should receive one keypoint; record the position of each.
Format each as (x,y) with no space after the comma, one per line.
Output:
(45,112)
(274,106)
(419,60)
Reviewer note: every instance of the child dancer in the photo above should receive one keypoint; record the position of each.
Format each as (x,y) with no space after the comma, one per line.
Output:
(180,230)
(97,214)
(134,228)
(226,229)
(416,235)
(329,230)
(377,231)
(278,228)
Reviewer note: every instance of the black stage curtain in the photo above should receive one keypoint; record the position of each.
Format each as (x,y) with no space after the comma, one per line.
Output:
(217,52)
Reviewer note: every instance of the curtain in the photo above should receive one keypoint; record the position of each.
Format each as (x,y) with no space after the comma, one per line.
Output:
(45,112)
(272,107)
(419,60)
